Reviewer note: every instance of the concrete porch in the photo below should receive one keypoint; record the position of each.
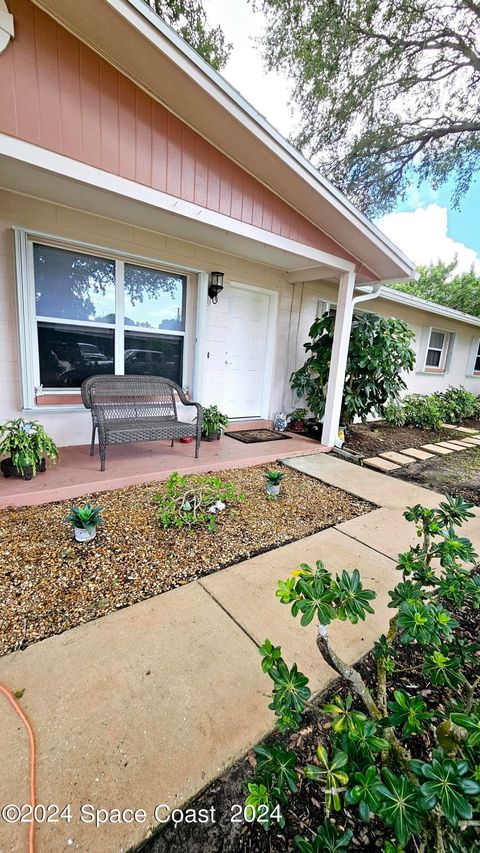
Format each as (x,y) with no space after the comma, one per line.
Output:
(77,473)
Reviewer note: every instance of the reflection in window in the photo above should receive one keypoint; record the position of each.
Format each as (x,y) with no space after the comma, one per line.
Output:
(154,355)
(70,354)
(154,299)
(73,286)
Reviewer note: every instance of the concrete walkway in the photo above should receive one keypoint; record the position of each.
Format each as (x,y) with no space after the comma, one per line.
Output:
(148,705)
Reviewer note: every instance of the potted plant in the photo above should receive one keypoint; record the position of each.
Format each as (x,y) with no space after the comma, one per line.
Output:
(214,423)
(273,479)
(85,520)
(25,442)
(296,420)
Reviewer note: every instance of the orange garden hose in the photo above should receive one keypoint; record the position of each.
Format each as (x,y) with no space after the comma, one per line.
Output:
(28,727)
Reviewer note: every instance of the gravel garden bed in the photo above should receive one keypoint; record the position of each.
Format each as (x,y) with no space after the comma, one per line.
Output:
(305,810)
(50,583)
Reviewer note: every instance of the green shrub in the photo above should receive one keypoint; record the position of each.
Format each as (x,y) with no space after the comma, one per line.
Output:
(213,421)
(428,800)
(193,501)
(378,352)
(86,516)
(458,404)
(418,410)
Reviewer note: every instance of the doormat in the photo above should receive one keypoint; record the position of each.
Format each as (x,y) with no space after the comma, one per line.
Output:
(252,436)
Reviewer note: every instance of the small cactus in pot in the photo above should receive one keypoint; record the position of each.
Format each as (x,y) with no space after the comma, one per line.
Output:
(85,520)
(273,479)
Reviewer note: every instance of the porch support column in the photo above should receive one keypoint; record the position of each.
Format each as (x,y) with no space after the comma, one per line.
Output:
(200,336)
(338,362)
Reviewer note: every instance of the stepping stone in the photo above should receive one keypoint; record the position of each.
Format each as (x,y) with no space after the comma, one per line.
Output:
(435,448)
(467,430)
(416,453)
(465,442)
(449,426)
(398,458)
(380,464)
(474,440)
(470,442)
(457,442)
(449,445)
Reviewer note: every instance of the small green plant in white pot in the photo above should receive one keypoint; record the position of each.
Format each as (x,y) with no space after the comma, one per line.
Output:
(273,478)
(85,520)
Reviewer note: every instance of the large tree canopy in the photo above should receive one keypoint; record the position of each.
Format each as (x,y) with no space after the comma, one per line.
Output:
(188,18)
(387,90)
(436,283)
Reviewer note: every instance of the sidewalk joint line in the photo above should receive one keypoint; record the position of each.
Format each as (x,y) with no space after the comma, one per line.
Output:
(367,545)
(227,612)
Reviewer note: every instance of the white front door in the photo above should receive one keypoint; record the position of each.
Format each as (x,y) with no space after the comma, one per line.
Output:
(246,353)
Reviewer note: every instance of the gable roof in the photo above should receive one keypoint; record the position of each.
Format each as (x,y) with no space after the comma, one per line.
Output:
(140,44)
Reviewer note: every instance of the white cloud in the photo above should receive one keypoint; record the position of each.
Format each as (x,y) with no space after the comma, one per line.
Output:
(269,92)
(422,234)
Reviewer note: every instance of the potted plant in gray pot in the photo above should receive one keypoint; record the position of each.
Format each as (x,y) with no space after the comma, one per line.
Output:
(84,520)
(273,478)
(214,423)
(27,444)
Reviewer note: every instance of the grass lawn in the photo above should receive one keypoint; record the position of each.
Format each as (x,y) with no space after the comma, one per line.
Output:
(49,582)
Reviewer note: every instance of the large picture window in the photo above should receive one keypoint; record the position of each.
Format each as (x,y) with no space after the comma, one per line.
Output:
(96,314)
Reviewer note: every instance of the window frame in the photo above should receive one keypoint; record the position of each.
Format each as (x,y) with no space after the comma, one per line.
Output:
(442,366)
(476,356)
(28,319)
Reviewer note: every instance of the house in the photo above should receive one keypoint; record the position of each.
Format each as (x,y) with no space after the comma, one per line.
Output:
(131,174)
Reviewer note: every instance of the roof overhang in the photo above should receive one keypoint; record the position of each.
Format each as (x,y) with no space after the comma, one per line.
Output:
(141,45)
(411,301)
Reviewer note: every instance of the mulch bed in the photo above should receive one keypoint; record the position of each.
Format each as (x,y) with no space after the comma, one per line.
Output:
(378,437)
(457,474)
(305,810)
(49,583)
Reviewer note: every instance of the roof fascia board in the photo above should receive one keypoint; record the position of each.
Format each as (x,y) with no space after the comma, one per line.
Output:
(424,305)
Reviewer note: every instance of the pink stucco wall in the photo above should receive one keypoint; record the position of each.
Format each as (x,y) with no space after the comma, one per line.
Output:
(59,94)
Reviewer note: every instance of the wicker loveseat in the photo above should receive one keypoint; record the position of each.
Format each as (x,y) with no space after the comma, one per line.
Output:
(126,409)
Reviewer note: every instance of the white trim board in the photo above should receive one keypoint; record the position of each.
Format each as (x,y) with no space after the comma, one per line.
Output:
(58,164)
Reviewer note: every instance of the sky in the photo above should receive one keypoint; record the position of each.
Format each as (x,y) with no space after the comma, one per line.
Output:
(425,225)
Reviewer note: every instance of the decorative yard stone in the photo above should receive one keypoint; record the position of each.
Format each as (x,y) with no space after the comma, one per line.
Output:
(467,430)
(436,448)
(398,458)
(415,453)
(449,445)
(380,464)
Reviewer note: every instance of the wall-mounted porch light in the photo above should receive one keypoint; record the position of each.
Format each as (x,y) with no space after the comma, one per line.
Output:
(216,286)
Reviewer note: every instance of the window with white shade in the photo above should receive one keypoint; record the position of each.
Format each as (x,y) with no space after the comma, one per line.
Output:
(437,351)
(93,314)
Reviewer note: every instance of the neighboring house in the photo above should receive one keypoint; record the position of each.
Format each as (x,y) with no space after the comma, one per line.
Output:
(130,172)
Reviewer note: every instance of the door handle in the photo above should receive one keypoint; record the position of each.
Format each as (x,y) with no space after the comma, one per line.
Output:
(227,362)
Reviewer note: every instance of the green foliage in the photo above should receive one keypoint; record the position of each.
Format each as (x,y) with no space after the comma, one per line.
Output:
(86,516)
(438,284)
(448,784)
(328,839)
(315,593)
(188,17)
(330,775)
(274,477)
(297,415)
(213,421)
(408,713)
(26,442)
(193,501)
(365,759)
(290,692)
(379,350)
(385,92)
(430,411)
